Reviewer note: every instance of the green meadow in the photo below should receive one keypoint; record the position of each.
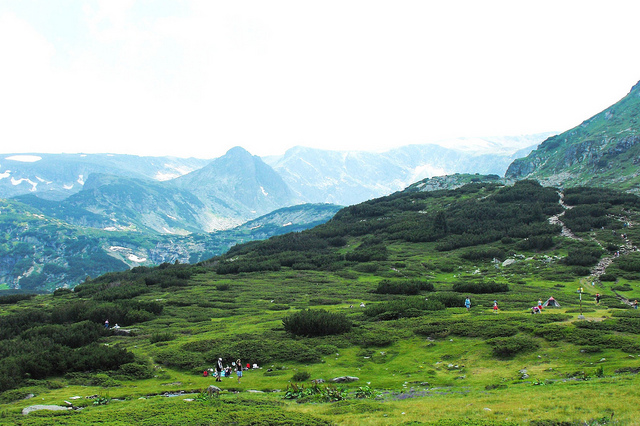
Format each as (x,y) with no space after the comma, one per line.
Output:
(376,295)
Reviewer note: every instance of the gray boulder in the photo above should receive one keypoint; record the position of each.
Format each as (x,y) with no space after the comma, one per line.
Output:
(345,379)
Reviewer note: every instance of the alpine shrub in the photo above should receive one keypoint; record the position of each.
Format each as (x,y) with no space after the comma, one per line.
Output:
(316,322)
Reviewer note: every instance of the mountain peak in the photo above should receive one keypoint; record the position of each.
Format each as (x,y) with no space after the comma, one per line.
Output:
(238,151)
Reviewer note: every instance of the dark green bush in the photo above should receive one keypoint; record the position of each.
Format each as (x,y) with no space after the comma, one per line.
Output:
(316,322)
(408,287)
(448,299)
(405,308)
(484,329)
(161,337)
(507,347)
(301,376)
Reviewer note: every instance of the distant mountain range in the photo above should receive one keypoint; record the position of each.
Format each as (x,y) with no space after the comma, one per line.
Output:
(602,151)
(194,195)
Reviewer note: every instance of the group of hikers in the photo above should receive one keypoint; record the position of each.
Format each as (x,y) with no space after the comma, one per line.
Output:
(534,310)
(219,371)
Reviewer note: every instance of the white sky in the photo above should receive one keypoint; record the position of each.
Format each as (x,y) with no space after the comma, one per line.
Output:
(195,78)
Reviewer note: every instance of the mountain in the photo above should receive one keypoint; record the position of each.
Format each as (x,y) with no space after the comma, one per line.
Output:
(118,203)
(347,178)
(56,176)
(602,151)
(237,186)
(43,252)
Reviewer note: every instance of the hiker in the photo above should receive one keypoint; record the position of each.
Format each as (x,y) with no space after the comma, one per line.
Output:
(239,370)
(635,304)
(540,304)
(106,323)
(227,371)
(205,373)
(597,298)
(219,370)
(467,304)
(495,306)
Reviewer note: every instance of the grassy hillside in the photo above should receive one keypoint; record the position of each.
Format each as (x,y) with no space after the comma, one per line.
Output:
(292,305)
(601,151)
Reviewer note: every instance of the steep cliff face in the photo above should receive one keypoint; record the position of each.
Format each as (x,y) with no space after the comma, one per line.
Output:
(603,150)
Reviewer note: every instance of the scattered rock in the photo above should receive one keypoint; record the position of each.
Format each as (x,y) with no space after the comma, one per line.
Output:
(75,397)
(318,381)
(254,391)
(487,409)
(29,396)
(32,408)
(345,379)
(508,262)
(213,390)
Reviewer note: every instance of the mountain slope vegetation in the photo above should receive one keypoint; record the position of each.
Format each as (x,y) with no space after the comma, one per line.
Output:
(48,246)
(375,295)
(601,151)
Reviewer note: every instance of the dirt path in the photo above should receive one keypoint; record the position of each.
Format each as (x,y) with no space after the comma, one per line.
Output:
(601,268)
(555,220)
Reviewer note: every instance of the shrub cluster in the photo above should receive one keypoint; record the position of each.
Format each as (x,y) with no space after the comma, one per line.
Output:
(408,287)
(405,308)
(507,347)
(316,322)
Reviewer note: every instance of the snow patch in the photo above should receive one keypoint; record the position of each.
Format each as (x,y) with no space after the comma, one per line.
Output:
(163,176)
(68,186)
(24,158)
(263,191)
(171,217)
(44,181)
(288,224)
(81,179)
(172,172)
(16,182)
(5,174)
(134,258)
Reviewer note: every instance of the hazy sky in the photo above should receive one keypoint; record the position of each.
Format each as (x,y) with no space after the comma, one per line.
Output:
(194,78)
